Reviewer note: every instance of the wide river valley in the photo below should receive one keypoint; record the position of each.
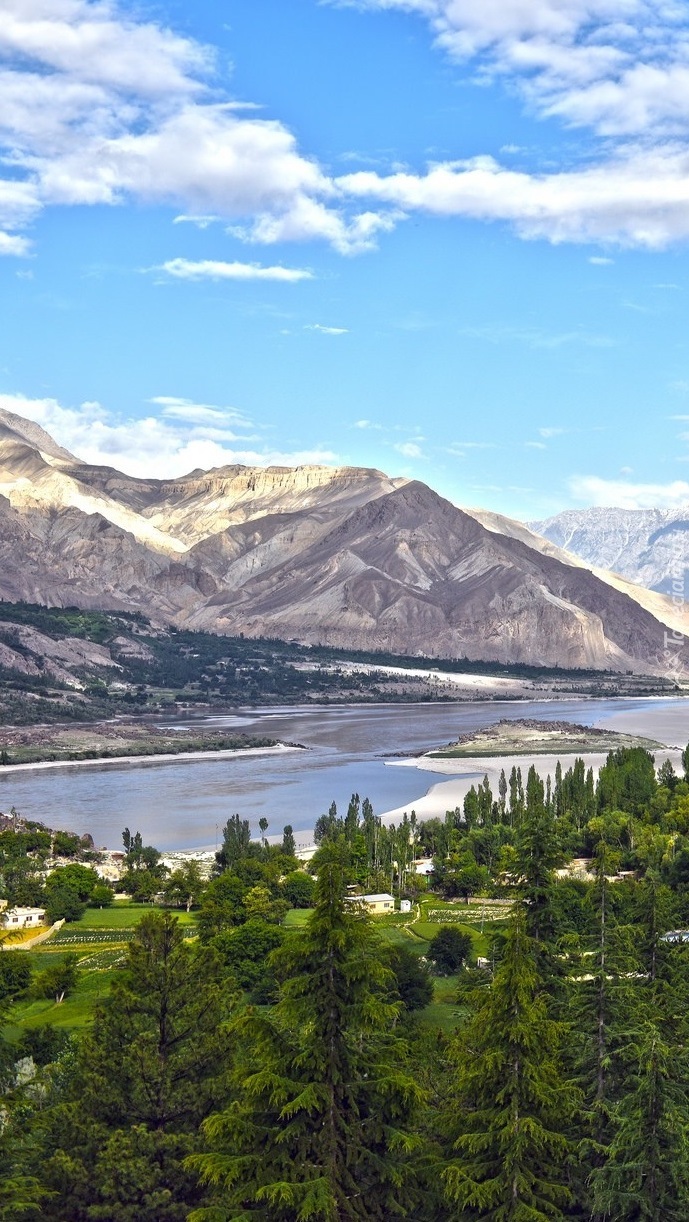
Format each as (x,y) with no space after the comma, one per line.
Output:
(183,804)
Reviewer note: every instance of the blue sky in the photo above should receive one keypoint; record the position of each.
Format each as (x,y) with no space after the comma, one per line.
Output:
(441,238)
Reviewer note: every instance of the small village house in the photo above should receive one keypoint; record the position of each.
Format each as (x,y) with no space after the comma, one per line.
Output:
(376,904)
(22,918)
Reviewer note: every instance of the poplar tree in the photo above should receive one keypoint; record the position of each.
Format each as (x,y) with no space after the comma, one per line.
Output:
(320,1126)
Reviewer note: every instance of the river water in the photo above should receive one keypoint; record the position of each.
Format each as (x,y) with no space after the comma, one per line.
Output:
(183,804)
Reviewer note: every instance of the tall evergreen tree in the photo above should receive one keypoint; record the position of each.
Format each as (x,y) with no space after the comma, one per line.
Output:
(646,1173)
(320,1125)
(513,1105)
(537,854)
(151,1069)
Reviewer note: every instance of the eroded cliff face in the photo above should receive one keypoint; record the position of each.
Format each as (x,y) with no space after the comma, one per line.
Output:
(345,555)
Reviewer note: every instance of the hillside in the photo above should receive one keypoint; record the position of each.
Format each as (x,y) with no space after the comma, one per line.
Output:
(344,557)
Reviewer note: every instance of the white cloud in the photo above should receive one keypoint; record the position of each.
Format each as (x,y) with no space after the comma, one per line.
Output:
(91,41)
(316,326)
(535,445)
(206,413)
(409,449)
(100,107)
(156,446)
(600,261)
(624,495)
(368,424)
(13,244)
(618,66)
(213,269)
(97,107)
(476,445)
(534,338)
(551,432)
(638,198)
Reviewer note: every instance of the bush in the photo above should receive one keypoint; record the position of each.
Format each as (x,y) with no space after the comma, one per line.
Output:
(414,983)
(449,949)
(15,973)
(298,889)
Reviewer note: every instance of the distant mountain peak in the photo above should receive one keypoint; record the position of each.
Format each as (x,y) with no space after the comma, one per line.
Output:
(18,428)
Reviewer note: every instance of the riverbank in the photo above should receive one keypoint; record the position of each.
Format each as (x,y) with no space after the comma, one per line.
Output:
(350,750)
(462,774)
(121,738)
(178,757)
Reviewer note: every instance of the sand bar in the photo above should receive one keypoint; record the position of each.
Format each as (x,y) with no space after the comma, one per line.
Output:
(172,758)
(446,795)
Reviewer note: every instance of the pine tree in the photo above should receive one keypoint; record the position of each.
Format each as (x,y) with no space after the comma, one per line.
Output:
(152,1067)
(646,1174)
(603,1006)
(319,1128)
(511,1151)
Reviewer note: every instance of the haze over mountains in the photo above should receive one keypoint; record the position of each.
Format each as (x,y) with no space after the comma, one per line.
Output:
(344,556)
(647,546)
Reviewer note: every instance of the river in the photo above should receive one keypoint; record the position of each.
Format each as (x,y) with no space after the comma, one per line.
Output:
(183,804)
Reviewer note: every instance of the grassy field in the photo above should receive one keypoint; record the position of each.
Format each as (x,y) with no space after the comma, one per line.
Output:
(99,940)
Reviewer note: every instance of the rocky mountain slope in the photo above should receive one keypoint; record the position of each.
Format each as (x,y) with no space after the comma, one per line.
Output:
(647,546)
(340,556)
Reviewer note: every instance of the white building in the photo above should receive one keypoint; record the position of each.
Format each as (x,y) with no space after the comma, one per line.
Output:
(376,904)
(23,918)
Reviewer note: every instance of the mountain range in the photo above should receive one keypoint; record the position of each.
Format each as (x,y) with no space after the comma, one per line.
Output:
(343,556)
(647,546)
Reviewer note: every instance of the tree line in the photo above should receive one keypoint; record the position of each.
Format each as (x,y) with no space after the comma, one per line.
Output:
(315,1092)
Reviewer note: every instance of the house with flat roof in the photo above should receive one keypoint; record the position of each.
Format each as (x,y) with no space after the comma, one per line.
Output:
(376,904)
(23,918)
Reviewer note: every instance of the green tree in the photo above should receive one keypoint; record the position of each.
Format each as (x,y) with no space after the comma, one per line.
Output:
(298,888)
(57,980)
(646,1173)
(222,906)
(102,896)
(236,838)
(244,950)
(185,886)
(414,983)
(150,1069)
(511,1101)
(449,949)
(288,842)
(62,903)
(320,1126)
